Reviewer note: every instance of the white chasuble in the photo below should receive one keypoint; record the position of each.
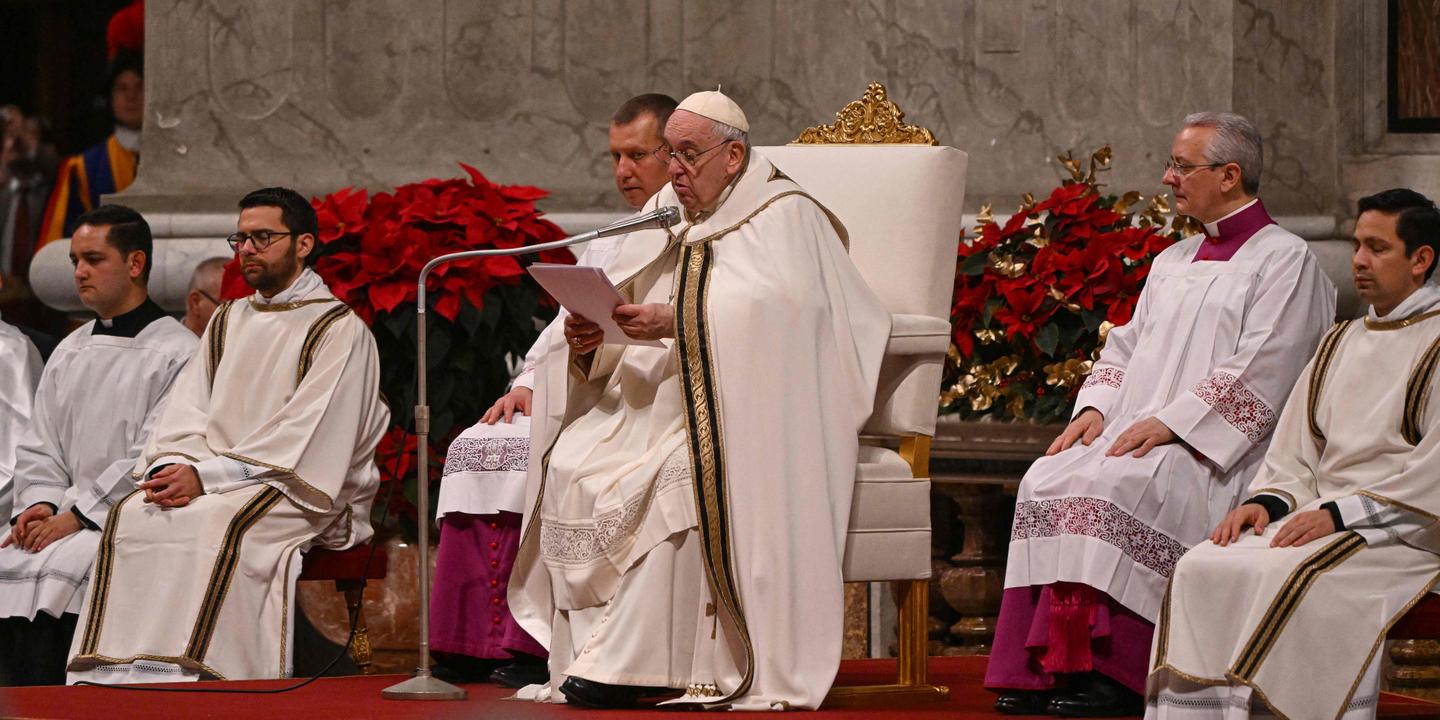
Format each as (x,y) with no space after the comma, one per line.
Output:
(690,502)
(20,367)
(97,400)
(1212,350)
(1299,628)
(279,413)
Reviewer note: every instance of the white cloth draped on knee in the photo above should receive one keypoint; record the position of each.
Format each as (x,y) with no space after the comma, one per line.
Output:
(1213,350)
(291,388)
(98,397)
(1362,430)
(741,433)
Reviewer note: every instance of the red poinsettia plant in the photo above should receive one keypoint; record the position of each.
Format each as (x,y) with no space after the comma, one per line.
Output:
(1035,295)
(484,313)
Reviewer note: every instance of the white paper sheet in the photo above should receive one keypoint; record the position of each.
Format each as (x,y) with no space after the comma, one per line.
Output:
(586,291)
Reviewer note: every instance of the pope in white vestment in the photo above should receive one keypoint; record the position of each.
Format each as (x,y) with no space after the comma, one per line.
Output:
(20,367)
(94,408)
(688,503)
(278,414)
(1299,627)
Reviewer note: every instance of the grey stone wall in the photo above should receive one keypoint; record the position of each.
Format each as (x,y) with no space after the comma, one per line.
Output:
(322,94)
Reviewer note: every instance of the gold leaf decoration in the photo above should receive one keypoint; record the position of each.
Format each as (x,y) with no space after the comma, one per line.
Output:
(872,119)
(1067,374)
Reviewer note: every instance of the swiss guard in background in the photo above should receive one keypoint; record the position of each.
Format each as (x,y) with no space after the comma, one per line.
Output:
(109,166)
(1168,430)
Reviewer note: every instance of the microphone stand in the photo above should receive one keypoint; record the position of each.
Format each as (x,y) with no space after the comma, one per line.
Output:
(423,685)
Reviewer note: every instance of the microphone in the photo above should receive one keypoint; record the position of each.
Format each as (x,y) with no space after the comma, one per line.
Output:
(658,218)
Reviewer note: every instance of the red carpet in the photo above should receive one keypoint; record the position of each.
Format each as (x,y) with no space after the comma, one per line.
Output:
(359,697)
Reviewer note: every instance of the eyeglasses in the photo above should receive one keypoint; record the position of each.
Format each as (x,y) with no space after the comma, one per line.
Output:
(1181,169)
(260,239)
(639,156)
(686,158)
(207,296)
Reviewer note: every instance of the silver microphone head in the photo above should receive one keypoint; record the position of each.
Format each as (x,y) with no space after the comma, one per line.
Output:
(667,216)
(659,218)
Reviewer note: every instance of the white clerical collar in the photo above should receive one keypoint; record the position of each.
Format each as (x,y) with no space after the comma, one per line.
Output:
(1424,299)
(1213,228)
(128,139)
(305,284)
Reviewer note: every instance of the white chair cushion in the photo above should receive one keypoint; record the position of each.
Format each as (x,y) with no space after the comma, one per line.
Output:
(889,535)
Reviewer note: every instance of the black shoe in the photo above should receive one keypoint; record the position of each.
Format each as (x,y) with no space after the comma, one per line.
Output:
(520,673)
(458,669)
(1024,702)
(1098,696)
(597,695)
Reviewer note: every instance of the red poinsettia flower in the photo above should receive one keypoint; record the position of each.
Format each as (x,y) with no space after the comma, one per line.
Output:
(1024,311)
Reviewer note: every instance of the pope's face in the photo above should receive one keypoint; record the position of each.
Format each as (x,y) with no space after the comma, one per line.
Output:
(1199,188)
(1384,275)
(639,171)
(702,164)
(103,275)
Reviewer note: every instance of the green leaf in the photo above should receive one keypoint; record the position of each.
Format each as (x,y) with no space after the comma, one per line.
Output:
(1048,338)
(991,305)
(1092,320)
(975,264)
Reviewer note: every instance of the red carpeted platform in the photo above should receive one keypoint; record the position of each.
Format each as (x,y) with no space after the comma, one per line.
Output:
(359,697)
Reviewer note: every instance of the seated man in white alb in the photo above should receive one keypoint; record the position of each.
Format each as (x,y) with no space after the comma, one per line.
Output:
(1169,426)
(93,410)
(264,448)
(1344,512)
(482,493)
(687,501)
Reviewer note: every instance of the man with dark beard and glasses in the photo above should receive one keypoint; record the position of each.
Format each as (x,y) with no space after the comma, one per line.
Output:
(265,448)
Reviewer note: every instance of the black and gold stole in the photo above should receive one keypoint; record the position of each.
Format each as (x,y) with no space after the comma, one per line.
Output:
(705,438)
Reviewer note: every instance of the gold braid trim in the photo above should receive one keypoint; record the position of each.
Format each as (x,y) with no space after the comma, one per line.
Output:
(91,660)
(720,233)
(1162,628)
(313,337)
(705,439)
(1283,607)
(1401,323)
(1329,345)
(282,307)
(100,579)
(1417,392)
(215,339)
(224,570)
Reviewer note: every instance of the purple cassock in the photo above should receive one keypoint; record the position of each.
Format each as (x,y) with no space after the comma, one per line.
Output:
(480,497)
(1066,627)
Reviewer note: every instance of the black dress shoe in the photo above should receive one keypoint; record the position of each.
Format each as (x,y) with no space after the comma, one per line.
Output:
(1098,696)
(1024,702)
(590,694)
(521,673)
(462,669)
